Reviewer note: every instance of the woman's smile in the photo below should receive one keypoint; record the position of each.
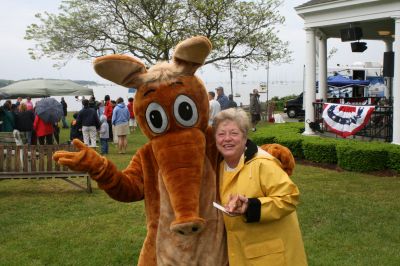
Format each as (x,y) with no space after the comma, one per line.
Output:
(230,141)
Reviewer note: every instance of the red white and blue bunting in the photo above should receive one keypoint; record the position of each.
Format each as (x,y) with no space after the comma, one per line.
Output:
(346,120)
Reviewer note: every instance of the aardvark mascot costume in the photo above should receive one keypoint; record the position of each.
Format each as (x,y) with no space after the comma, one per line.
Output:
(175,172)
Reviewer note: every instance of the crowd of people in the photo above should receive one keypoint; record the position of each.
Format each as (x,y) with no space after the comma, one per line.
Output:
(222,102)
(20,118)
(110,120)
(99,121)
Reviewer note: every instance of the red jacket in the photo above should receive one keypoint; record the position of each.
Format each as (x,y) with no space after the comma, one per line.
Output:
(130,108)
(42,128)
(108,110)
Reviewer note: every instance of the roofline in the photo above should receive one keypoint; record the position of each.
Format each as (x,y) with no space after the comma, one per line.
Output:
(304,5)
(329,5)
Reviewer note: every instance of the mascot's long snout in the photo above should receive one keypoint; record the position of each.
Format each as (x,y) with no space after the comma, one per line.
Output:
(181,172)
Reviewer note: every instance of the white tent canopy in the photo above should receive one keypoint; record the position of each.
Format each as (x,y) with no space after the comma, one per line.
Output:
(38,88)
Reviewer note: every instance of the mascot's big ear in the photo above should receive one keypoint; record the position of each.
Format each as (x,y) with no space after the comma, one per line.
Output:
(192,53)
(120,69)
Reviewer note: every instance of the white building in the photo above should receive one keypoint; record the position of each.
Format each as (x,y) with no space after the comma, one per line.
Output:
(348,19)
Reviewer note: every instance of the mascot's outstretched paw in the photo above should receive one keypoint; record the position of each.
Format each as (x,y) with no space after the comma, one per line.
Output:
(85,159)
(283,154)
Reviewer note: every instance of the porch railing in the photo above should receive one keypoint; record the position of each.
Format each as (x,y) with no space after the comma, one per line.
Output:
(379,126)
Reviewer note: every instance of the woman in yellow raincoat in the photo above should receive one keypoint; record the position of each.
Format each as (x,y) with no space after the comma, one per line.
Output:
(262,225)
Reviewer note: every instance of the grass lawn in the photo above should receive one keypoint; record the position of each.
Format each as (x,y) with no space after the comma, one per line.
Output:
(346,218)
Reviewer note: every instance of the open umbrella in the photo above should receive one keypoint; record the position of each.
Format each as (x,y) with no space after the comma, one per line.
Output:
(49,110)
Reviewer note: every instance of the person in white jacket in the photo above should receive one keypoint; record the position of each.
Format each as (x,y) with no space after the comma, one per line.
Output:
(215,107)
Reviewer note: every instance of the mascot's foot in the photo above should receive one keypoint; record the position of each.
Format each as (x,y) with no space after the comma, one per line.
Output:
(194,226)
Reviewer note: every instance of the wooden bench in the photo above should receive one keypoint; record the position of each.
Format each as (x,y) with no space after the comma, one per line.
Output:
(8,138)
(35,161)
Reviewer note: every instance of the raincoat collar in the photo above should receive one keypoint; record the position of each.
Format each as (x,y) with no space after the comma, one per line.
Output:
(251,150)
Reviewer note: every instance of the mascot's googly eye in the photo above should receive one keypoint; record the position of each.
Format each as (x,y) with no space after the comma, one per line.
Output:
(185,111)
(156,118)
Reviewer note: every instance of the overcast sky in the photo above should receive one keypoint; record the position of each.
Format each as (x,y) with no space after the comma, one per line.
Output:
(16,64)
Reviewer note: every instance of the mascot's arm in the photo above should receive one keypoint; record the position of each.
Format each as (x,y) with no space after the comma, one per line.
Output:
(124,186)
(283,154)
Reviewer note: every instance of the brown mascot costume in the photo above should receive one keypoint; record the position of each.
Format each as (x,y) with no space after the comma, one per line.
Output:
(175,172)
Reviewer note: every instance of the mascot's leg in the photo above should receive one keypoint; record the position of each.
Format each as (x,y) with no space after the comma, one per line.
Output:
(207,248)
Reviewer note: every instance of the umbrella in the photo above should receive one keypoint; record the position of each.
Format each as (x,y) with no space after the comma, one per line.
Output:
(49,110)
(38,88)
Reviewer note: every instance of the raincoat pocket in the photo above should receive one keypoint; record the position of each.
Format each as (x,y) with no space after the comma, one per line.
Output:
(270,252)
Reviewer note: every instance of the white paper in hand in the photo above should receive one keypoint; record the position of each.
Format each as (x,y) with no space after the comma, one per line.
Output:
(221,208)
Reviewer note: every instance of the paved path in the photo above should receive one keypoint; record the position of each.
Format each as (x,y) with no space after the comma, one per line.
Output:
(287,119)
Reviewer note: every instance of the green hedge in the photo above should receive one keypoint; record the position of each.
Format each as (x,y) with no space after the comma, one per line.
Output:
(293,143)
(393,160)
(265,135)
(319,150)
(361,156)
(349,154)
(267,139)
(286,134)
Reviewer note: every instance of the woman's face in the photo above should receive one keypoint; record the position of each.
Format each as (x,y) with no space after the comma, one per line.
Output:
(230,141)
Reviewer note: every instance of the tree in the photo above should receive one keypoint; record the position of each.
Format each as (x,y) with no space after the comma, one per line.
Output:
(332,52)
(148,29)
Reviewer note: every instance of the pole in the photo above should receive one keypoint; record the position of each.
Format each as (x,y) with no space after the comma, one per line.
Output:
(230,66)
(268,55)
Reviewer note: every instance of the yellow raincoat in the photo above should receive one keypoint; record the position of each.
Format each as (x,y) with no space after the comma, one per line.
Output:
(275,238)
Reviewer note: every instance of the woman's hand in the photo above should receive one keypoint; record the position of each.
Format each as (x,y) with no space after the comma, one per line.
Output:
(237,205)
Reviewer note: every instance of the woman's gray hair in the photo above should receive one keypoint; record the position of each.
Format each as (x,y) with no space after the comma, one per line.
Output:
(237,115)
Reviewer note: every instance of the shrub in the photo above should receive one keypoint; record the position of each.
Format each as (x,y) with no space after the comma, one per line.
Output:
(361,156)
(268,134)
(319,150)
(393,160)
(293,143)
(266,139)
(351,155)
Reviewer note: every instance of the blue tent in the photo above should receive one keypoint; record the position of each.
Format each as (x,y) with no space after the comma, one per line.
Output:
(342,81)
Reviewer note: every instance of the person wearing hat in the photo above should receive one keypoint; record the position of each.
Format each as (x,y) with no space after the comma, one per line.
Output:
(222,99)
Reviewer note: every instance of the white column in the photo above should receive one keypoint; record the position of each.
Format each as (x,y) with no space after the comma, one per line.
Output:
(323,68)
(389,81)
(388,45)
(396,84)
(310,73)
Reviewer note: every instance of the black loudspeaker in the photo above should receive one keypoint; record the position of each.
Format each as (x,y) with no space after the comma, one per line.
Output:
(388,64)
(358,47)
(351,34)
(359,74)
